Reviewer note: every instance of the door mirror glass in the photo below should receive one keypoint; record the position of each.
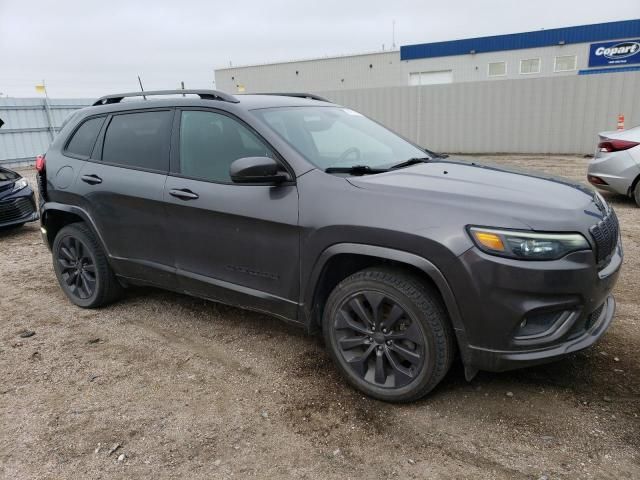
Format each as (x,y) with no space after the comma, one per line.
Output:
(257,170)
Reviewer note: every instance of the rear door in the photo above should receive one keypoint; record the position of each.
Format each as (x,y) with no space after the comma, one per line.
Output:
(122,187)
(234,243)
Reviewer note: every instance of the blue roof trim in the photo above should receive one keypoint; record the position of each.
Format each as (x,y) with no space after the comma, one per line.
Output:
(518,41)
(594,71)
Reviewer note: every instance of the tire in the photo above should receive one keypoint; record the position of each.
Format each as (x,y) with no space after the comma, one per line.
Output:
(82,268)
(422,343)
(636,193)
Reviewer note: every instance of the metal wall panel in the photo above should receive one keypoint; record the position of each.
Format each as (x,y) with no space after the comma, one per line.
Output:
(28,128)
(552,115)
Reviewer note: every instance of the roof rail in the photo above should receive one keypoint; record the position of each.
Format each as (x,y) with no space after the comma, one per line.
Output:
(310,96)
(203,94)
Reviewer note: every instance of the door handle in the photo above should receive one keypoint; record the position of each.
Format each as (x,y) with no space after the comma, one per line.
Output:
(183,194)
(91,179)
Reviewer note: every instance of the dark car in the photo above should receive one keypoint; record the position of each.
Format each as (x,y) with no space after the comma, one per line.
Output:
(309,211)
(17,201)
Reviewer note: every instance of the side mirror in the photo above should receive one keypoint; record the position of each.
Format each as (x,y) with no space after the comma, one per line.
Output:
(257,170)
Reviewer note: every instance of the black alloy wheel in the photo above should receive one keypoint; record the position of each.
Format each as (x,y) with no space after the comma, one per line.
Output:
(388,333)
(77,267)
(82,268)
(379,340)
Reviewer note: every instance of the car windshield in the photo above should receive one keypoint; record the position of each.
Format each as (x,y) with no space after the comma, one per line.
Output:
(334,137)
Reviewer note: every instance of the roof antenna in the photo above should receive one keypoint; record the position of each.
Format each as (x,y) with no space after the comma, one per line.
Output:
(141,88)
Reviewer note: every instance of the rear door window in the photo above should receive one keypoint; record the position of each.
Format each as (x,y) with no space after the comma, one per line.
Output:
(83,140)
(139,140)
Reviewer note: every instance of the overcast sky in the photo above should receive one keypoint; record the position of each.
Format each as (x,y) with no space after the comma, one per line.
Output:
(89,48)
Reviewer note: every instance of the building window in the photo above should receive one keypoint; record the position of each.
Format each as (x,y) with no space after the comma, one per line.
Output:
(430,78)
(497,69)
(565,63)
(530,65)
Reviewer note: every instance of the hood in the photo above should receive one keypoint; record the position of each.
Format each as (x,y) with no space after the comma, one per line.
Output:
(508,197)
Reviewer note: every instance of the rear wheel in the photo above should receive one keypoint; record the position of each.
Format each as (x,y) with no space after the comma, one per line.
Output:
(388,334)
(636,193)
(82,268)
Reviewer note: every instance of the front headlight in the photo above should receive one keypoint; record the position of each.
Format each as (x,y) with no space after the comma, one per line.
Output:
(19,185)
(527,245)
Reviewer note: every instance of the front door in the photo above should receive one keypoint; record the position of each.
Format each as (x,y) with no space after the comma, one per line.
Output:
(238,244)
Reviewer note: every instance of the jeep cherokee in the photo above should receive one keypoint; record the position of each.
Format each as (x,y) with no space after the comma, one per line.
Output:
(300,208)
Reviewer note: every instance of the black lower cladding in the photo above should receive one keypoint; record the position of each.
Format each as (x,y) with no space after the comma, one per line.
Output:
(379,340)
(15,209)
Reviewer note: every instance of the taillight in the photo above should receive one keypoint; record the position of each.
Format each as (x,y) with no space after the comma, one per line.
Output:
(40,163)
(613,145)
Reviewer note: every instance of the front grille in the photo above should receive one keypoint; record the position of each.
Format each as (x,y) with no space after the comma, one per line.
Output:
(15,209)
(605,233)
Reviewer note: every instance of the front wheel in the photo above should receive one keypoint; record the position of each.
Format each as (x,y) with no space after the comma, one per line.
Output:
(389,334)
(82,269)
(636,193)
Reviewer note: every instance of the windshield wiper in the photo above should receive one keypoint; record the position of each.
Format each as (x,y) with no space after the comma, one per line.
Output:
(356,170)
(408,163)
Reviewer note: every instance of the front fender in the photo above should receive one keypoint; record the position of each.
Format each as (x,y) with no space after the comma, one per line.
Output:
(399,256)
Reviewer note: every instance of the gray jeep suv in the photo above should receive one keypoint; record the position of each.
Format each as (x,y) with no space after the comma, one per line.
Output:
(309,211)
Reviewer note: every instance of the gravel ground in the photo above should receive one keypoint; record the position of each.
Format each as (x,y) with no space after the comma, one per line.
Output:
(182,388)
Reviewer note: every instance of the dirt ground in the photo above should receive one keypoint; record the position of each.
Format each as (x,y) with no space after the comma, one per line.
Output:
(190,389)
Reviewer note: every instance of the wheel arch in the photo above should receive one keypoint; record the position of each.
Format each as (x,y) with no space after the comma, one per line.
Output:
(55,216)
(341,260)
(632,188)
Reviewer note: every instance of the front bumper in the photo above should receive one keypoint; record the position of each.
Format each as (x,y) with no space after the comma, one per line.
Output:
(519,313)
(499,360)
(18,208)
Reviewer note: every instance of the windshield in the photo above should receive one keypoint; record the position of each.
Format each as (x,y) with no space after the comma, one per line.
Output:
(338,137)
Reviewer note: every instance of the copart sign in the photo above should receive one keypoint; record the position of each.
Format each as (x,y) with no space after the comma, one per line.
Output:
(622,52)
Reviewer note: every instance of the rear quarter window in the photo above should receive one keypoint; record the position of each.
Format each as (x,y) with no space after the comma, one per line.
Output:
(82,142)
(139,140)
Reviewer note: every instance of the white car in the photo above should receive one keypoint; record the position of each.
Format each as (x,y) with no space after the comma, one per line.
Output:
(616,165)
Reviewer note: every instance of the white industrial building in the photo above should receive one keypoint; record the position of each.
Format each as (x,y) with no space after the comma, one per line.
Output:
(556,52)
(542,92)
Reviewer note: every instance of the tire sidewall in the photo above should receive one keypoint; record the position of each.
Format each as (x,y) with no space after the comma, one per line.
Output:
(346,291)
(636,193)
(71,231)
